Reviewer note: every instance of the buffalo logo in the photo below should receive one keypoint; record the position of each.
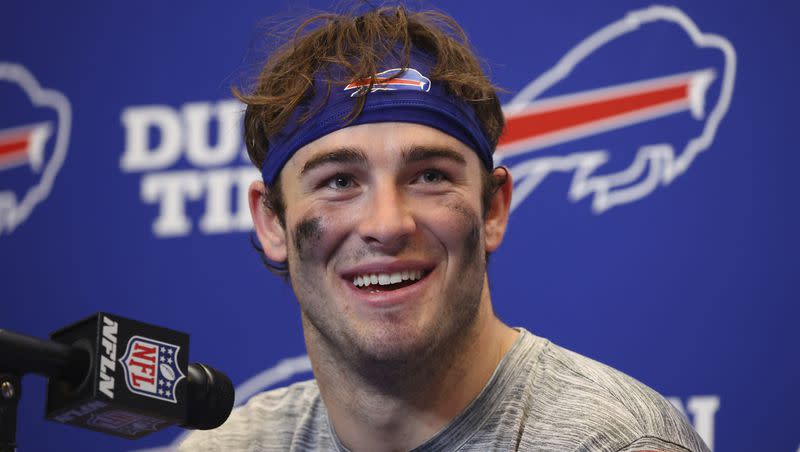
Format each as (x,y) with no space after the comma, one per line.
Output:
(34,132)
(396,79)
(664,87)
(151,368)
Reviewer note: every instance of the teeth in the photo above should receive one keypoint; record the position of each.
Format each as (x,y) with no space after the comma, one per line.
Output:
(384,279)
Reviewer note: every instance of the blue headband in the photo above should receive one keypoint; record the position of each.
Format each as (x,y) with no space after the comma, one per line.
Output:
(409,97)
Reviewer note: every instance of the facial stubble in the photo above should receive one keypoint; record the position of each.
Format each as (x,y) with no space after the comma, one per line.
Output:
(376,358)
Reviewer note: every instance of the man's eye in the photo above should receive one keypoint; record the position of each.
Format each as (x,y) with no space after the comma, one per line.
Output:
(340,182)
(431,177)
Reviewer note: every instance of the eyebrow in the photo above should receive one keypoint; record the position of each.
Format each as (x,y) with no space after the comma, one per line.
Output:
(422,153)
(343,155)
(353,155)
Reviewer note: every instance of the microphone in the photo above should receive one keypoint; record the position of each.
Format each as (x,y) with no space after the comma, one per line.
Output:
(122,377)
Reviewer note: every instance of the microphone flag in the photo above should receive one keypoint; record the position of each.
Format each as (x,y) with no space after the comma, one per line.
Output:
(136,382)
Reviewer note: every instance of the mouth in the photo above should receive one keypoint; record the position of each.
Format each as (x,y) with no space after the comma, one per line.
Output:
(387,282)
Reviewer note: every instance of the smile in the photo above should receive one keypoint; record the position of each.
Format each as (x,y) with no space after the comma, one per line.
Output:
(388,279)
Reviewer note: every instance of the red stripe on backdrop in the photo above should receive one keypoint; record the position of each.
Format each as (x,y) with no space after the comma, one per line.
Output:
(13,145)
(527,126)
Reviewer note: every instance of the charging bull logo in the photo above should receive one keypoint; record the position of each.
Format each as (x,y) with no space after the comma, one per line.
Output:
(34,133)
(151,368)
(639,104)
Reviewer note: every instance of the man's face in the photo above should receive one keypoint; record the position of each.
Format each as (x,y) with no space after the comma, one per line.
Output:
(385,240)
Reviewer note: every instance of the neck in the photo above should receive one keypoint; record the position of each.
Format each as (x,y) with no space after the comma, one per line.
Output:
(399,405)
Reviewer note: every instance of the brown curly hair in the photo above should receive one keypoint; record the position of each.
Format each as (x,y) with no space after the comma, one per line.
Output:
(359,44)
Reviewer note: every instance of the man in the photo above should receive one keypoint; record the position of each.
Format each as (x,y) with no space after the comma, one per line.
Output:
(380,204)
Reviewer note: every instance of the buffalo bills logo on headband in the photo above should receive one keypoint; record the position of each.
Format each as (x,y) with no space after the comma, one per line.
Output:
(396,79)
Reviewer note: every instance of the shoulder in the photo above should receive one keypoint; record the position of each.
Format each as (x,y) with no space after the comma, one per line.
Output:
(575,374)
(280,419)
(607,409)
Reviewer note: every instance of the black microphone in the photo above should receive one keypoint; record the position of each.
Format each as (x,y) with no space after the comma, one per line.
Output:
(120,376)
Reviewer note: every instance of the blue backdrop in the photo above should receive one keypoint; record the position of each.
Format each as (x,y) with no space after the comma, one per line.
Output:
(655,218)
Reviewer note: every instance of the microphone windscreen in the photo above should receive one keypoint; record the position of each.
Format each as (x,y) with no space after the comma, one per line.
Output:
(210,397)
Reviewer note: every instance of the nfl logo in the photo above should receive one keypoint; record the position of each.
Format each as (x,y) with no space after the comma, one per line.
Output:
(151,368)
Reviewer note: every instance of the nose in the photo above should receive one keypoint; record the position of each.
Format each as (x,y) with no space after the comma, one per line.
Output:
(387,220)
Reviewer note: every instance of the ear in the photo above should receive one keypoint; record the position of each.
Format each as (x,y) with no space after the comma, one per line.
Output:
(499,209)
(271,233)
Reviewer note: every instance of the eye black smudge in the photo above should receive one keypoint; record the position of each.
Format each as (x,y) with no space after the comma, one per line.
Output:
(307,235)
(472,241)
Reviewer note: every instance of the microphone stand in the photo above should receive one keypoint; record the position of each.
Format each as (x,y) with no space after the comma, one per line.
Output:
(21,354)
(10,393)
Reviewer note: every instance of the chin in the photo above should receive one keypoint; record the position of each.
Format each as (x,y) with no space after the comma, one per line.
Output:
(400,349)
(393,344)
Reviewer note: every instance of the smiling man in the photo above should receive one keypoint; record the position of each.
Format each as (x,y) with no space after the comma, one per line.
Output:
(380,204)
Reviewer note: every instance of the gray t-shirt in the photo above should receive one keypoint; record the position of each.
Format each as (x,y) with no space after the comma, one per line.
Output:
(541,398)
